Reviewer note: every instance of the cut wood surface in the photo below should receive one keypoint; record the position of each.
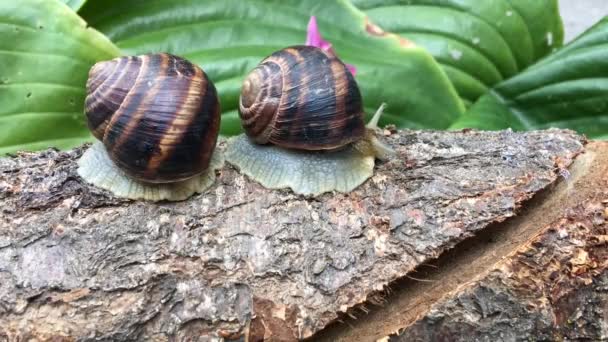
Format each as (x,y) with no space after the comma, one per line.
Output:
(540,276)
(244,262)
(554,288)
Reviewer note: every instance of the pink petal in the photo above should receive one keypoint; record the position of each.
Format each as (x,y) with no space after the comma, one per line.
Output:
(313,38)
(352,69)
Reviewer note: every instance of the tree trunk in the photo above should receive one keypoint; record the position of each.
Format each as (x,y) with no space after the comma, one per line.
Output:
(244,263)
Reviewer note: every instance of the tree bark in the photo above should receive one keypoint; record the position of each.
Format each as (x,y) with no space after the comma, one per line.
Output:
(241,262)
(540,276)
(554,288)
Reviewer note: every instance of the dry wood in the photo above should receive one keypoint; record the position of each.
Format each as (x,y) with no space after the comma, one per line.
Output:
(242,261)
(552,288)
(539,276)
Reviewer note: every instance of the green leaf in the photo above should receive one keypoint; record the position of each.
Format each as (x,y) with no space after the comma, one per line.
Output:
(46,52)
(229,38)
(567,89)
(74,4)
(544,24)
(478,43)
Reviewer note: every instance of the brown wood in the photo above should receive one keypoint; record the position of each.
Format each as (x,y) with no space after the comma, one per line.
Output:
(541,275)
(244,262)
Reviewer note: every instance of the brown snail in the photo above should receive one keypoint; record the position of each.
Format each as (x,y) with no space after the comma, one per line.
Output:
(303,117)
(157,118)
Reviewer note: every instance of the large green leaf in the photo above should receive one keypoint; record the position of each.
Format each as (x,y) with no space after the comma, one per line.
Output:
(478,43)
(567,89)
(74,4)
(45,55)
(544,24)
(229,38)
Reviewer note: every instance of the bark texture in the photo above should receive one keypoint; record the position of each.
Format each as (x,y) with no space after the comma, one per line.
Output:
(242,262)
(552,288)
(540,276)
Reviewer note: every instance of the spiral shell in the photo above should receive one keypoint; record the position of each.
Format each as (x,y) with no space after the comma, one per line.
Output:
(302,97)
(158,115)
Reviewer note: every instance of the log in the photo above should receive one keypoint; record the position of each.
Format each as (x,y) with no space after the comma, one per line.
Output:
(241,262)
(542,275)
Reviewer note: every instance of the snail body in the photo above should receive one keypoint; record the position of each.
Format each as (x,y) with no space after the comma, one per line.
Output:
(303,118)
(157,119)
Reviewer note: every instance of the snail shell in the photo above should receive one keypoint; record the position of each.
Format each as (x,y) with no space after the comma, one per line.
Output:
(158,115)
(303,98)
(302,113)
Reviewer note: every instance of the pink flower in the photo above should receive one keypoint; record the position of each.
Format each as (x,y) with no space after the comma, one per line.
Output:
(313,38)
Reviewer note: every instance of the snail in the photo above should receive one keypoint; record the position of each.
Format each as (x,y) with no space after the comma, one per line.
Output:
(302,114)
(157,119)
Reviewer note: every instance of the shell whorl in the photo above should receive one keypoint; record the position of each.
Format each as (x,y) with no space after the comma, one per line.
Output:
(107,86)
(302,98)
(158,115)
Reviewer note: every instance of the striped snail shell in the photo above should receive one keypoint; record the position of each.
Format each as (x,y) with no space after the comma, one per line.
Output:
(302,113)
(302,97)
(158,115)
(157,118)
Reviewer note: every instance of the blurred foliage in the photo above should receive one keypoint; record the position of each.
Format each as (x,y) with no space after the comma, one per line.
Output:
(46,52)
(568,89)
(74,4)
(491,55)
(478,43)
(229,38)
